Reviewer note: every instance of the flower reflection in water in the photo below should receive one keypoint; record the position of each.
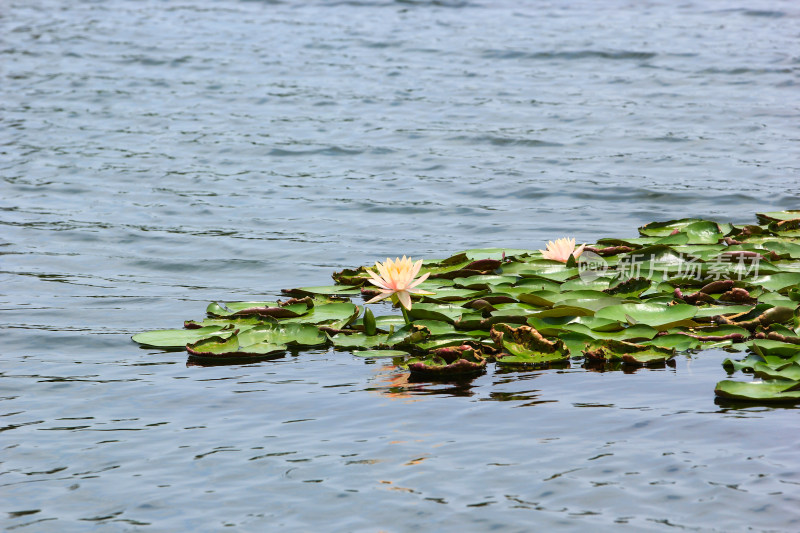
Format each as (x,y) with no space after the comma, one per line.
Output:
(397,383)
(392,382)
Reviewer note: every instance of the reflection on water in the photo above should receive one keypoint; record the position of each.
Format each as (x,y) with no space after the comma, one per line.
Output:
(396,383)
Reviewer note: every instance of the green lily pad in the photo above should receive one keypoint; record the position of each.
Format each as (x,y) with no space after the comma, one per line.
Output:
(733,365)
(483,282)
(437,327)
(547,270)
(771,347)
(240,323)
(629,353)
(408,335)
(360,340)
(629,287)
(679,343)
(178,338)
(789,372)
(575,342)
(259,309)
(676,239)
(564,310)
(722,310)
(326,290)
(335,315)
(590,304)
(664,229)
(660,317)
(790,250)
(776,216)
(637,332)
(703,232)
(496,253)
(550,326)
(590,284)
(759,391)
(777,299)
(219,348)
(526,346)
(449,294)
(295,334)
(444,313)
(777,282)
(786,228)
(540,298)
(380,353)
(444,341)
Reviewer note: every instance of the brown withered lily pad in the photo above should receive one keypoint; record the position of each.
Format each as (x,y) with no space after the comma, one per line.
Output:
(773,315)
(629,353)
(448,362)
(525,346)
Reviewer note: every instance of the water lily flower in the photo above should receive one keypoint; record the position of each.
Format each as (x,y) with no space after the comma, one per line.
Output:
(396,279)
(562,249)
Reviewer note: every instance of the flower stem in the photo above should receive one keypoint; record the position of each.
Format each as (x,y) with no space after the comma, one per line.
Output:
(405,315)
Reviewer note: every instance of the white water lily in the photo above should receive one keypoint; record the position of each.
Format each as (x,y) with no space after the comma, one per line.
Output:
(561,249)
(396,278)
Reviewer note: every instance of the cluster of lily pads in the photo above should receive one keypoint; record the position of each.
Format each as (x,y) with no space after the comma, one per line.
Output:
(680,287)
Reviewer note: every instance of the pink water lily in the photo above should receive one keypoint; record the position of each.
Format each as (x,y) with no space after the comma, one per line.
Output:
(397,279)
(562,249)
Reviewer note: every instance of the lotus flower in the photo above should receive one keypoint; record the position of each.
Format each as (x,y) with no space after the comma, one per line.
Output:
(562,249)
(397,279)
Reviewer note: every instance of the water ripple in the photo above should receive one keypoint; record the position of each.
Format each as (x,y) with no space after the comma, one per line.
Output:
(157,156)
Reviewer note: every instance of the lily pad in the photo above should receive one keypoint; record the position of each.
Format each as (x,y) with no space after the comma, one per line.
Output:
(789,372)
(778,391)
(664,229)
(660,317)
(326,290)
(703,232)
(179,338)
(771,347)
(777,282)
(295,334)
(444,313)
(637,332)
(218,349)
(629,353)
(448,362)
(360,340)
(408,335)
(776,216)
(526,346)
(335,315)
(380,353)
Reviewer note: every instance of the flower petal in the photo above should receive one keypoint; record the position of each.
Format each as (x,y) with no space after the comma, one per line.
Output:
(420,280)
(380,297)
(376,280)
(379,284)
(405,298)
(415,268)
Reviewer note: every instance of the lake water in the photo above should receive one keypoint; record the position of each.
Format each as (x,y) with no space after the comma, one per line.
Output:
(157,155)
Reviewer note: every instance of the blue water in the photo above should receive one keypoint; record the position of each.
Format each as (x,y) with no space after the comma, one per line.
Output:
(158,155)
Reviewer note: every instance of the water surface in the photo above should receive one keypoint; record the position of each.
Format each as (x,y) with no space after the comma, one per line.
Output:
(159,155)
